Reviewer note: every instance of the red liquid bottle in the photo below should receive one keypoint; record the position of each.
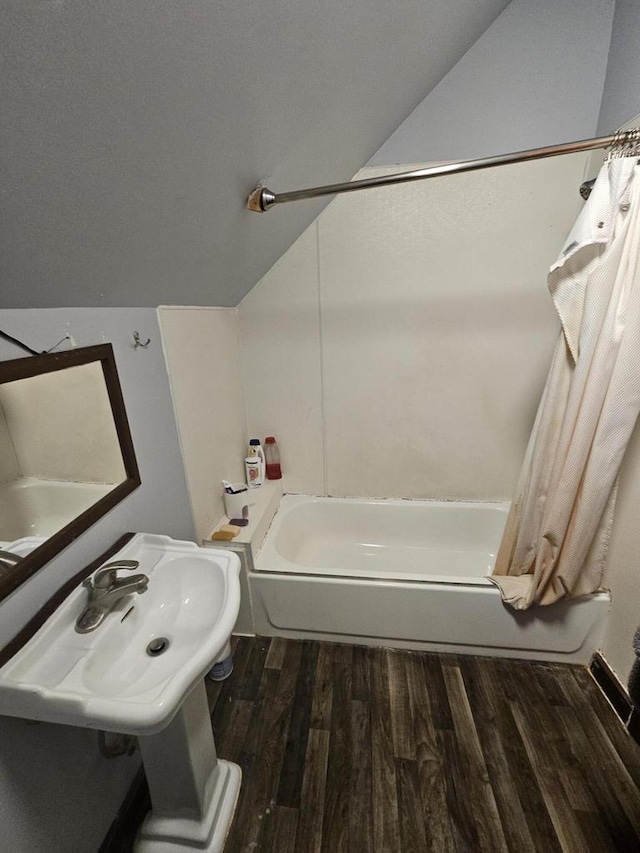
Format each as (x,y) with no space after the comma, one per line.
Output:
(272,457)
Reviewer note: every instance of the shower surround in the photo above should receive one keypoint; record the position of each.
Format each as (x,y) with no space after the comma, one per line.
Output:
(399,348)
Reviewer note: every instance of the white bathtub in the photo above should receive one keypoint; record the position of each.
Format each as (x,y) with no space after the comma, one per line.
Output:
(33,507)
(409,574)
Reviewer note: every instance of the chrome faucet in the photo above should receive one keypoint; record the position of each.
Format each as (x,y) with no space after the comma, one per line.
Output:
(8,561)
(105,591)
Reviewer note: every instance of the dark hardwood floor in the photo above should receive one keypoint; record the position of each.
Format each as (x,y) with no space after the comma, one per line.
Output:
(344,748)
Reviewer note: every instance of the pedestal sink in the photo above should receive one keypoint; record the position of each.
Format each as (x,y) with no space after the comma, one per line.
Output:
(108,679)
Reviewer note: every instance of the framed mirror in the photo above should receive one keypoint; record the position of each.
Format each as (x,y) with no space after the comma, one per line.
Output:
(66,454)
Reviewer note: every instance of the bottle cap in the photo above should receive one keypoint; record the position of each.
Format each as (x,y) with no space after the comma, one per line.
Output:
(270,439)
(254,441)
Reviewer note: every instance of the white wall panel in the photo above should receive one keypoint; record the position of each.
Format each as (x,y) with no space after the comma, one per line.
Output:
(203,361)
(418,366)
(438,329)
(281,363)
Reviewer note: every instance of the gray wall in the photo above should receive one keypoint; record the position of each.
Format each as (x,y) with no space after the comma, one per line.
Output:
(621,98)
(56,792)
(132,133)
(534,78)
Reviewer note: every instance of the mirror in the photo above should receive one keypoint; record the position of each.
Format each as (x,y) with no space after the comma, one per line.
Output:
(66,455)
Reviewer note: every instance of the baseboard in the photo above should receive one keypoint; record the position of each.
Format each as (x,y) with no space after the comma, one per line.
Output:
(616,694)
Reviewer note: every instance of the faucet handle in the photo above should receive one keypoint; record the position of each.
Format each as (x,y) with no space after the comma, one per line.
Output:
(106,576)
(9,559)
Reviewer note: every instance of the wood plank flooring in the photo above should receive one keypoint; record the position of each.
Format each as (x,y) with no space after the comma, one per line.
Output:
(344,748)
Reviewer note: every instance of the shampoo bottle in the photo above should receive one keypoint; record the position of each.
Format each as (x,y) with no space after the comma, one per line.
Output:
(252,467)
(255,443)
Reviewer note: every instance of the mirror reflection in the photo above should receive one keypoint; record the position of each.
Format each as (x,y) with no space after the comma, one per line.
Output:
(59,450)
(66,456)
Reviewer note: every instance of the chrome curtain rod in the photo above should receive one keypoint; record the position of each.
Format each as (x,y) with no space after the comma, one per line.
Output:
(263,199)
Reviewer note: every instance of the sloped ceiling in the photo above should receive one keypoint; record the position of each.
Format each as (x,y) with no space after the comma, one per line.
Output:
(132,133)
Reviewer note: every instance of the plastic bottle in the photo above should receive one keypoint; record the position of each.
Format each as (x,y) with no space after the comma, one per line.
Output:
(223,667)
(255,442)
(253,467)
(272,455)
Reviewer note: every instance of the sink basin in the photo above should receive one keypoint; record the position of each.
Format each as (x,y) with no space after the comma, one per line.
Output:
(106,679)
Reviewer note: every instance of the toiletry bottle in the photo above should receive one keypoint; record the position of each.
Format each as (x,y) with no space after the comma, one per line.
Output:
(252,467)
(255,442)
(272,455)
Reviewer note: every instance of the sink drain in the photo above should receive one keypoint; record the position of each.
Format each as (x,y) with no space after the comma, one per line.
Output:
(158,646)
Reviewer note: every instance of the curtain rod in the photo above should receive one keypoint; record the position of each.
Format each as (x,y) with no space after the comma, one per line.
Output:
(263,199)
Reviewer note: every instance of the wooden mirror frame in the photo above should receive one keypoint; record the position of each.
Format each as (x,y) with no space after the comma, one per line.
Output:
(24,368)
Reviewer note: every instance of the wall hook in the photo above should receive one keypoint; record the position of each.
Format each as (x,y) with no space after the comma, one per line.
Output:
(138,343)
(67,337)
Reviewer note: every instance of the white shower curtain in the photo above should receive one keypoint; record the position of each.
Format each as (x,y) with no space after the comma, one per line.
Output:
(557,533)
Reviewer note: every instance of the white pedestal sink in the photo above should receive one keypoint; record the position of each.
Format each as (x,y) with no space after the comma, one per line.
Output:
(193,793)
(106,679)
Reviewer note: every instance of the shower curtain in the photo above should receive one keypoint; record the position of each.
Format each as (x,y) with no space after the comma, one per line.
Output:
(557,533)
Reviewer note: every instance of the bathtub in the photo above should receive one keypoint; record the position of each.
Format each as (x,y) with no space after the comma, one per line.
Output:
(34,507)
(407,574)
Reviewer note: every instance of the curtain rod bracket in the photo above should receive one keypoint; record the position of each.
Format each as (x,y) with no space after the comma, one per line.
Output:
(261,199)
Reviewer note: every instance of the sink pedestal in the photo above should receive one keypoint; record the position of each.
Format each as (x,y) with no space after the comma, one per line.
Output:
(193,793)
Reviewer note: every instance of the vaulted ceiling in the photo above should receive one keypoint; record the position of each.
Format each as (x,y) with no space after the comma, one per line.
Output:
(132,133)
